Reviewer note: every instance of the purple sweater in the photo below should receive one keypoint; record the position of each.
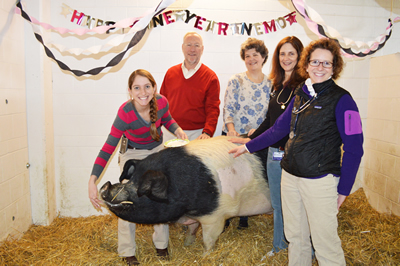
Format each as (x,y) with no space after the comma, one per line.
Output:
(348,122)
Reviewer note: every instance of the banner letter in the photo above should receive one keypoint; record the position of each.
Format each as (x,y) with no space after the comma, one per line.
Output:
(244,28)
(199,21)
(77,16)
(167,17)
(269,28)
(222,27)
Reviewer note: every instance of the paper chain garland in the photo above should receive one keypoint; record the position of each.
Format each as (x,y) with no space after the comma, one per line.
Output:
(317,25)
(139,29)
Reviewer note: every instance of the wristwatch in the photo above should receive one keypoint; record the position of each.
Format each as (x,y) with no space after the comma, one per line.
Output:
(205,133)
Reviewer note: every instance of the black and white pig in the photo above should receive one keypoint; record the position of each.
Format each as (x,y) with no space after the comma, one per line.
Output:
(196,183)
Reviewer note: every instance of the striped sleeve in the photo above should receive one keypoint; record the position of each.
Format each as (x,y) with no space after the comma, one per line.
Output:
(166,119)
(117,129)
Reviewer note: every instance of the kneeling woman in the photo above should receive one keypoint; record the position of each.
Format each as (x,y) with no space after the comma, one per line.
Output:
(138,123)
(321,117)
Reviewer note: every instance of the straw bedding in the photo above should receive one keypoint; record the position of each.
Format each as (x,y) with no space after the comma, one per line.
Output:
(368,238)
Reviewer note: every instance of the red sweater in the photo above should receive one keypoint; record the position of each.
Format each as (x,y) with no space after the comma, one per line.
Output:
(194,102)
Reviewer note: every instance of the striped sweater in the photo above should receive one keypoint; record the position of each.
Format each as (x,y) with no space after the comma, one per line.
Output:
(129,123)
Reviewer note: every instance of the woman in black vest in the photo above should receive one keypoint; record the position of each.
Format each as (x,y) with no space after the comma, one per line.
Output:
(316,178)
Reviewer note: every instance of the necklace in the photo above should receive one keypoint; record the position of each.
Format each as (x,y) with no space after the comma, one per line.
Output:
(283,106)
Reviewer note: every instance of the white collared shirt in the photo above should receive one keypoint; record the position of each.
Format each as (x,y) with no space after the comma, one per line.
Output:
(310,87)
(189,73)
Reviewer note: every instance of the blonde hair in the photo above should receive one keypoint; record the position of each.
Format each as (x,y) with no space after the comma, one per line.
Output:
(153,102)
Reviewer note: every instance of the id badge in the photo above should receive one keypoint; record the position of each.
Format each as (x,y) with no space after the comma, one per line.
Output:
(124,145)
(277,155)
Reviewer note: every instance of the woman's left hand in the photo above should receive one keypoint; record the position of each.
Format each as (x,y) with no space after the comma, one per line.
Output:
(340,200)
(237,151)
(180,133)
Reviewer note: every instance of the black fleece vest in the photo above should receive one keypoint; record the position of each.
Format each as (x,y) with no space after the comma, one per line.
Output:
(315,149)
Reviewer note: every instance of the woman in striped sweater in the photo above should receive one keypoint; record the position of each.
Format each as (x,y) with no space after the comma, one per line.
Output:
(138,123)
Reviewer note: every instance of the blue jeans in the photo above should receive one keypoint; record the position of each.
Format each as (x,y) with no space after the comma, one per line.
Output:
(274,172)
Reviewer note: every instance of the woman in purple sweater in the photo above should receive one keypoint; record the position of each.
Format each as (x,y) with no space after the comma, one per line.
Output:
(316,178)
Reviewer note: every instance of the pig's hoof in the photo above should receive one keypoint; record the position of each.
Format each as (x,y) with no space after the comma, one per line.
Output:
(189,240)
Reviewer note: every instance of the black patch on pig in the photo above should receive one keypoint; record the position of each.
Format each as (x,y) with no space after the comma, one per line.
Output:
(186,187)
(263,156)
(153,184)
(129,168)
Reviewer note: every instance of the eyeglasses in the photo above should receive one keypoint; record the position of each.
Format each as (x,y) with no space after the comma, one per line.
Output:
(325,64)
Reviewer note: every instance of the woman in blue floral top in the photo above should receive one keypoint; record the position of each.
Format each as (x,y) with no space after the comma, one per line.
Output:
(247,96)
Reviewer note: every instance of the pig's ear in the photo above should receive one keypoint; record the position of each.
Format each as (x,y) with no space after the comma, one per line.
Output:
(106,186)
(129,169)
(154,185)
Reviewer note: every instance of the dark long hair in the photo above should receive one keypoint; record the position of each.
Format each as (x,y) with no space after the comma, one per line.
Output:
(153,102)
(277,74)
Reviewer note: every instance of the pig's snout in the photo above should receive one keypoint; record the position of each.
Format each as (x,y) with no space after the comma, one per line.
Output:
(114,194)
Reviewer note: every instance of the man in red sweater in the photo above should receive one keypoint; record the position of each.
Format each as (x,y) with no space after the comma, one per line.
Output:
(192,90)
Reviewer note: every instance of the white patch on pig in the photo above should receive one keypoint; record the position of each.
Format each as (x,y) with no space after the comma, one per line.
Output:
(241,183)
(234,178)
(214,154)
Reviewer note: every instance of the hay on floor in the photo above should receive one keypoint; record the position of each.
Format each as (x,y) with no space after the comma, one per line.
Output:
(368,238)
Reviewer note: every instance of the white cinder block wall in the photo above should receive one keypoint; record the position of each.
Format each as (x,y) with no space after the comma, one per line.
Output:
(84,107)
(15,199)
(382,142)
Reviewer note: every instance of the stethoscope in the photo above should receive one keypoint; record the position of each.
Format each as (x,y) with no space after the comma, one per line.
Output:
(301,109)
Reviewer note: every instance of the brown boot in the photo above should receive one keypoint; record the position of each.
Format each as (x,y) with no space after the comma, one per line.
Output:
(163,253)
(131,261)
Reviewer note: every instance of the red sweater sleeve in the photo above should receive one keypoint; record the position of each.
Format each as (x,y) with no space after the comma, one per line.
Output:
(212,105)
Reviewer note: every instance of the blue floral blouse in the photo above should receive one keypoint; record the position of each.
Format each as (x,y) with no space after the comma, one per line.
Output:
(246,102)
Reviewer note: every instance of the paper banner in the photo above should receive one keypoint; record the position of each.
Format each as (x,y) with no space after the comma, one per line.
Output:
(100,26)
(349,47)
(199,22)
(138,31)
